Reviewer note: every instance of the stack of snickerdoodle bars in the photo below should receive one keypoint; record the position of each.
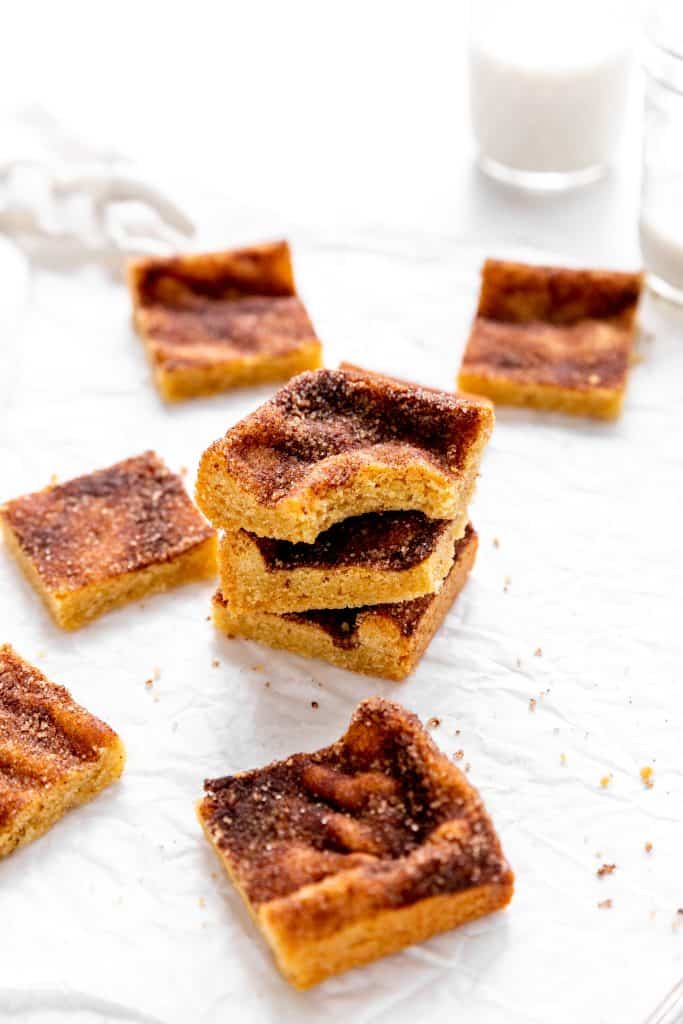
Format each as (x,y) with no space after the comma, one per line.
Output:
(343,505)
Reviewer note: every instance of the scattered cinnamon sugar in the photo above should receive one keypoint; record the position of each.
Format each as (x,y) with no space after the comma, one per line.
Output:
(648,847)
(215,663)
(315,705)
(606,780)
(646,775)
(532,703)
(496,542)
(458,755)
(434,722)
(605,904)
(183,470)
(149,683)
(606,869)
(538,652)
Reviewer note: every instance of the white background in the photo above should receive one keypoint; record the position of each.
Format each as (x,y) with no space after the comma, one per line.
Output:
(344,127)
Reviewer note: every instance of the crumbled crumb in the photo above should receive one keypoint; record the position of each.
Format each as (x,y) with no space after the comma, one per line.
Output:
(606,780)
(649,847)
(496,542)
(606,869)
(605,904)
(458,755)
(315,705)
(538,652)
(434,722)
(646,775)
(457,732)
(215,663)
(183,470)
(532,703)
(563,758)
(149,683)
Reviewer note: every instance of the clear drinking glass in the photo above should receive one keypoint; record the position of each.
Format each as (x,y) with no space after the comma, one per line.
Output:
(661,209)
(548,88)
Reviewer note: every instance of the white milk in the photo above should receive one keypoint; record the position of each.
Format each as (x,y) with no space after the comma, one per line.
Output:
(548,84)
(661,243)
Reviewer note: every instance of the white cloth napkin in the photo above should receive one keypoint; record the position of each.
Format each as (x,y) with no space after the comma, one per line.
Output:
(66,202)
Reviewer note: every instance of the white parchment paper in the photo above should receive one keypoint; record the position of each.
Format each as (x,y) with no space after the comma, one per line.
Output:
(121,913)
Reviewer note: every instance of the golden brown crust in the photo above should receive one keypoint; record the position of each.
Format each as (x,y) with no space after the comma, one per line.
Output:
(385,640)
(53,753)
(371,559)
(324,843)
(216,320)
(116,520)
(524,293)
(108,537)
(552,338)
(337,443)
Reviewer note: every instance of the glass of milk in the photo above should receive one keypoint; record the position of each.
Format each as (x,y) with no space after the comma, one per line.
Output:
(661,211)
(548,88)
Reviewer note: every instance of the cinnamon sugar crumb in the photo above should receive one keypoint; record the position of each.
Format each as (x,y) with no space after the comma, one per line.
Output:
(315,705)
(149,683)
(458,755)
(606,869)
(532,703)
(649,847)
(538,652)
(606,780)
(434,722)
(496,542)
(646,775)
(605,904)
(215,663)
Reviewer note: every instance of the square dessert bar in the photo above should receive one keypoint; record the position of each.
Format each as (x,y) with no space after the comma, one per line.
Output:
(333,444)
(383,639)
(553,338)
(219,320)
(358,850)
(107,538)
(370,559)
(54,755)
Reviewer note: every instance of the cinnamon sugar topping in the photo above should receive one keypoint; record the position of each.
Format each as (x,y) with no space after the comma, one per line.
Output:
(382,800)
(113,521)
